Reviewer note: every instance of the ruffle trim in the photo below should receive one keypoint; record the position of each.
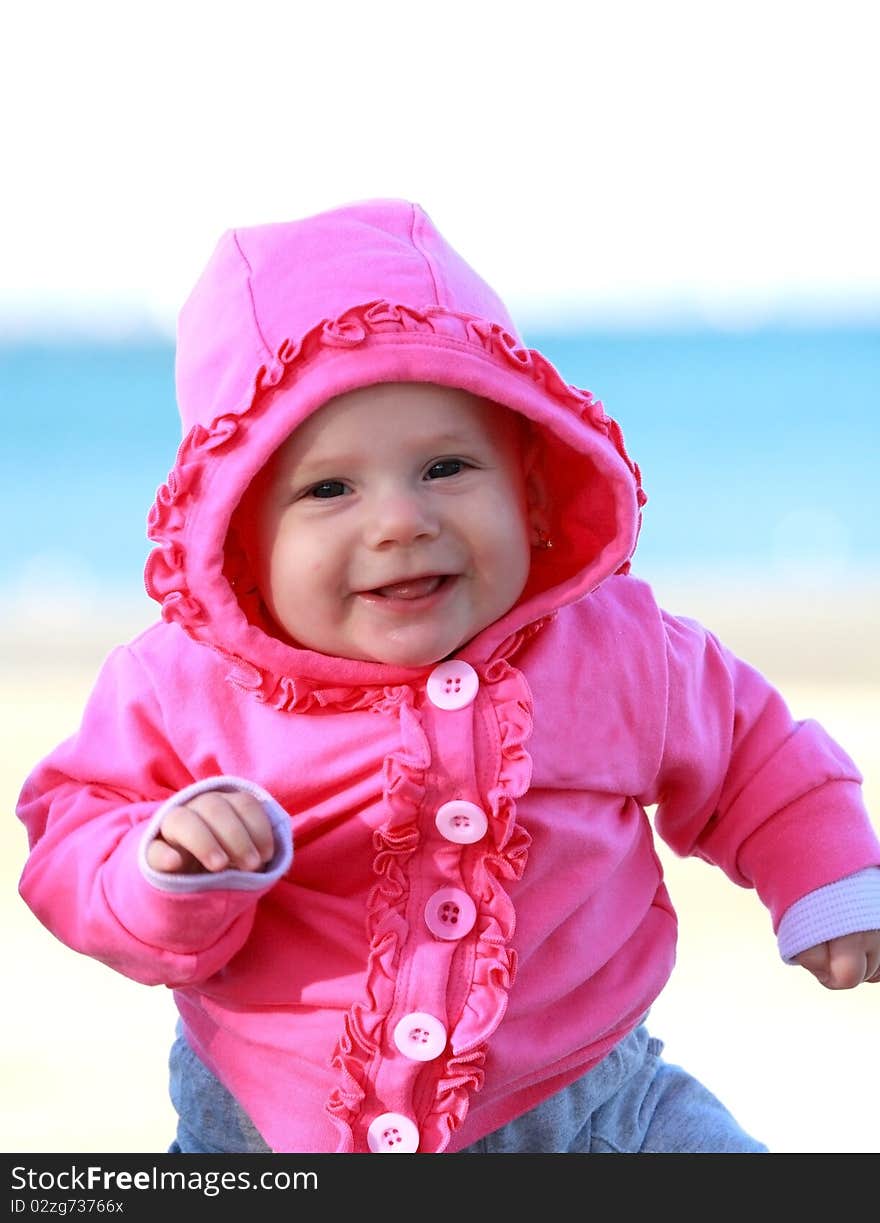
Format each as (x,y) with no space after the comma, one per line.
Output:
(165,572)
(462,1071)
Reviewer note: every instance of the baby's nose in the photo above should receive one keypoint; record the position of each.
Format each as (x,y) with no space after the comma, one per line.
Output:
(400,518)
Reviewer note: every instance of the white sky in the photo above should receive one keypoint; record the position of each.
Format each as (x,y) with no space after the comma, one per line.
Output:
(611,157)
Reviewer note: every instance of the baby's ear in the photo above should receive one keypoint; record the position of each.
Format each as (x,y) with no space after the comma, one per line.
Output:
(242,537)
(237,563)
(244,524)
(537,497)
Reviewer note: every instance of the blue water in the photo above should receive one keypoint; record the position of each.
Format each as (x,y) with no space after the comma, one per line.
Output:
(757,448)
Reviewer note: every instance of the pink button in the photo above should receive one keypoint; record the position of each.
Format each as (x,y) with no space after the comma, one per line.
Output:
(420,1036)
(461,822)
(452,685)
(392,1133)
(450,913)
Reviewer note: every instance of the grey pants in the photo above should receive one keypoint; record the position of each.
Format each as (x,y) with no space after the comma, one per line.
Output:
(631,1102)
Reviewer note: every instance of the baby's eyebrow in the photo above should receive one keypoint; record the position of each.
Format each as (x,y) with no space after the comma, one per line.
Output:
(453,441)
(322,464)
(341,461)
(463,438)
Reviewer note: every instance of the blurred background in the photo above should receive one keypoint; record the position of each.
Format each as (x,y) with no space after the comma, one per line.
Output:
(679,204)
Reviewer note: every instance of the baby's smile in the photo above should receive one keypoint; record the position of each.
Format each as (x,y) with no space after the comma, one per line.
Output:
(410,589)
(412,595)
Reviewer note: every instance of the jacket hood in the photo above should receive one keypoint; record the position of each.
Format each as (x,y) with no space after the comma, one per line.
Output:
(284,317)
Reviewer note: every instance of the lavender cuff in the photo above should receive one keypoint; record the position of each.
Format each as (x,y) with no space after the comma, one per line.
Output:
(234,880)
(845,907)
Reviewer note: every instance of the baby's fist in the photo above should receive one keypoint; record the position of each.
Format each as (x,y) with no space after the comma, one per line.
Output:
(844,962)
(217,830)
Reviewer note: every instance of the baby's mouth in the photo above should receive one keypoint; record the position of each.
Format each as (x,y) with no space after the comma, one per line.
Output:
(411,588)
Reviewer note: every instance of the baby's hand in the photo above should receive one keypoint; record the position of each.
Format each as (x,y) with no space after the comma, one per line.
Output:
(212,832)
(844,962)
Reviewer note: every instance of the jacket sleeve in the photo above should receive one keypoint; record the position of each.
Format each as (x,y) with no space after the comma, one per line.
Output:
(846,907)
(88,807)
(775,803)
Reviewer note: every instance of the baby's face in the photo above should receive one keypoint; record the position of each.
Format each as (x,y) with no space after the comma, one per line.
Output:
(393,524)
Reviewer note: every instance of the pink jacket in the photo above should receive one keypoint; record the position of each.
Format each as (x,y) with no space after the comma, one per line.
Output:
(465,910)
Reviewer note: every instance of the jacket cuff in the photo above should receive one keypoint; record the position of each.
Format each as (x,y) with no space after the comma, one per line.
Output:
(226,880)
(845,907)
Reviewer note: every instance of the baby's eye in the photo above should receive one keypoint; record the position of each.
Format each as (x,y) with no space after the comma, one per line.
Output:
(326,489)
(443,468)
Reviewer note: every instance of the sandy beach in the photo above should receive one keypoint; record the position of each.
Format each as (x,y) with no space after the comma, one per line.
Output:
(84,1050)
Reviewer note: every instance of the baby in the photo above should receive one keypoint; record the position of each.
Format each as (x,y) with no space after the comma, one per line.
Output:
(372,797)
